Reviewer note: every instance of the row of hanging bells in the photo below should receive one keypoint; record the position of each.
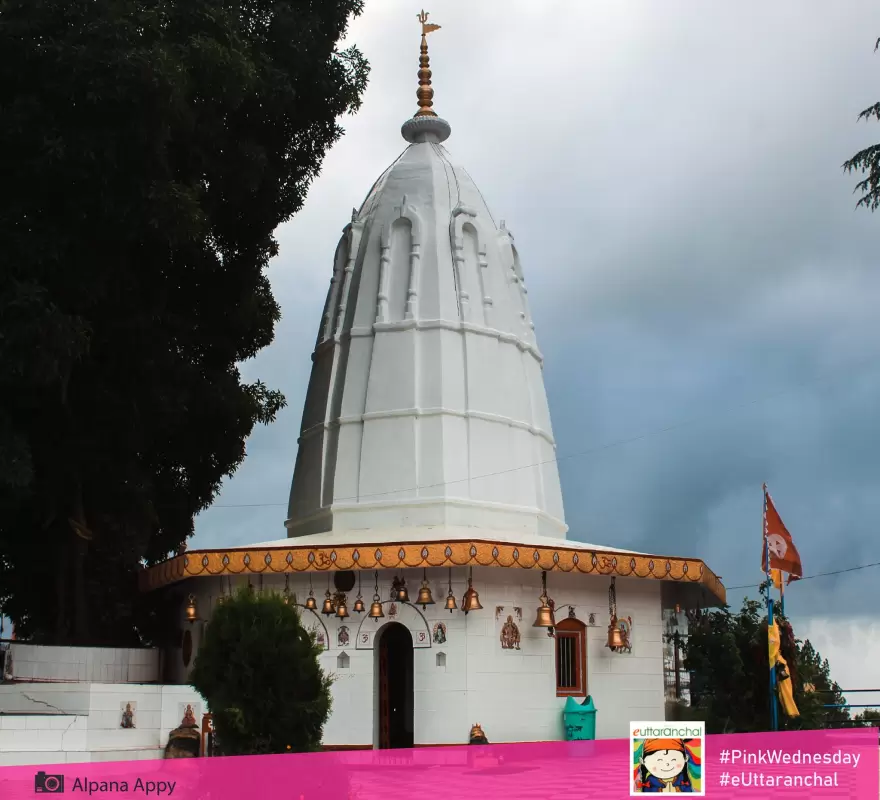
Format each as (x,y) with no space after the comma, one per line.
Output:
(337,604)
(469,602)
(546,618)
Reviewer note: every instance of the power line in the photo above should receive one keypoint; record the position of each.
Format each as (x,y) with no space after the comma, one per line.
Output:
(810,577)
(580,454)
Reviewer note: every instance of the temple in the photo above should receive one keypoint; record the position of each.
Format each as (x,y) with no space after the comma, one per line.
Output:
(426,538)
(426,542)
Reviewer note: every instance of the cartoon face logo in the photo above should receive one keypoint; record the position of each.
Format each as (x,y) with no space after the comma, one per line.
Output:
(777,545)
(665,764)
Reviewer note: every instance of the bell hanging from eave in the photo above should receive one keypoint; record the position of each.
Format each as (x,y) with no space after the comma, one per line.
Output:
(471,599)
(359,601)
(402,593)
(615,636)
(544,617)
(451,602)
(425,597)
(376,611)
(192,613)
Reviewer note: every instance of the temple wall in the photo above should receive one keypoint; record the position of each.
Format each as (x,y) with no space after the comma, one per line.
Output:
(512,693)
(57,723)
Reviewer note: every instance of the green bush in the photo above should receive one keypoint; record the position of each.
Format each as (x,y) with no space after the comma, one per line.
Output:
(258,670)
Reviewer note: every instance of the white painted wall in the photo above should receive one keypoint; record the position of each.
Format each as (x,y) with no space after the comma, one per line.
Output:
(82,722)
(31,662)
(511,693)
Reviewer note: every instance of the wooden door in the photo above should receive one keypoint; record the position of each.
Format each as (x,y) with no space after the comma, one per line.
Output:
(384,696)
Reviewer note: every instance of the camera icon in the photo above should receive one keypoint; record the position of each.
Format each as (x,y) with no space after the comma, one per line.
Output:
(48,784)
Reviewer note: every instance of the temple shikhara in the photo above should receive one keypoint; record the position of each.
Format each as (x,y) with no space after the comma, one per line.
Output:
(425,539)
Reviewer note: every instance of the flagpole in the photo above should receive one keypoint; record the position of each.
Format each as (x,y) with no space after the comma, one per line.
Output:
(774,724)
(781,596)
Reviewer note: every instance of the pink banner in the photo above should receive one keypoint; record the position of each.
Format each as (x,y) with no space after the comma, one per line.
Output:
(822,764)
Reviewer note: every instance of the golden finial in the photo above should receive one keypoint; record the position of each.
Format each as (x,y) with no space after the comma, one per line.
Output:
(425,93)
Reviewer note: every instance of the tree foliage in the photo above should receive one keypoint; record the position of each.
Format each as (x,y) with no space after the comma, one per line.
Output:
(257,668)
(867,162)
(868,718)
(727,656)
(150,149)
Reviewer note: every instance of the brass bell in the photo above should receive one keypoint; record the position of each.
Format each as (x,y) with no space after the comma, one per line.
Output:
(471,600)
(425,598)
(615,635)
(359,605)
(341,610)
(376,611)
(451,602)
(328,605)
(311,603)
(544,618)
(402,592)
(191,612)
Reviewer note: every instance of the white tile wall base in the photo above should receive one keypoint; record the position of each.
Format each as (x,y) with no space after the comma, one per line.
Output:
(81,722)
(31,662)
(512,693)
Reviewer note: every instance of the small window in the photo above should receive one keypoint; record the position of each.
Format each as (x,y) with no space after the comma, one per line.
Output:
(571,658)
(342,661)
(441,660)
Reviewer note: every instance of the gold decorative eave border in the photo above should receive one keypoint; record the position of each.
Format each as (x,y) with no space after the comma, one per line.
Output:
(416,555)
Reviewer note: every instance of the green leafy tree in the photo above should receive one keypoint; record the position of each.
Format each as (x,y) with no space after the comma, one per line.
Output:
(867,162)
(727,656)
(869,718)
(257,668)
(150,150)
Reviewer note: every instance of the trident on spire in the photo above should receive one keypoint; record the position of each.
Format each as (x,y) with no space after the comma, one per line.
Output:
(425,93)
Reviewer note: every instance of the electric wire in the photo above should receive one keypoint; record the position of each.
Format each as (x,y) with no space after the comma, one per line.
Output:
(582,453)
(856,568)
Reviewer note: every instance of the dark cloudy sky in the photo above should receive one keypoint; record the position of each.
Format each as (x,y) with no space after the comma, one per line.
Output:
(705,294)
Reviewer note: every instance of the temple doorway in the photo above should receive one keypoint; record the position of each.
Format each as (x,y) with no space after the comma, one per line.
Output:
(395,687)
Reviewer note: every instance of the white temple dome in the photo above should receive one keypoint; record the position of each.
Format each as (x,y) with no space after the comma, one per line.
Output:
(426,404)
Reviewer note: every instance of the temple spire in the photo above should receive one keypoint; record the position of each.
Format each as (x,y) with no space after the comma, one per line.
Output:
(425,93)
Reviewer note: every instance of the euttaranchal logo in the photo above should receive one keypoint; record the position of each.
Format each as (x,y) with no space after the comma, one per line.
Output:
(667,757)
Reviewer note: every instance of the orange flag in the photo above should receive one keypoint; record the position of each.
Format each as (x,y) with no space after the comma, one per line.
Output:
(783,554)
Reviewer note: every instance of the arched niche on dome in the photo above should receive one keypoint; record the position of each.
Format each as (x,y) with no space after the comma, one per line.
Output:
(399,268)
(351,241)
(475,271)
(518,286)
(400,245)
(469,254)
(407,615)
(328,319)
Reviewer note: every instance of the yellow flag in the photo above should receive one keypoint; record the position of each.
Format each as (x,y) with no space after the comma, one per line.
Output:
(773,641)
(783,684)
(776,578)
